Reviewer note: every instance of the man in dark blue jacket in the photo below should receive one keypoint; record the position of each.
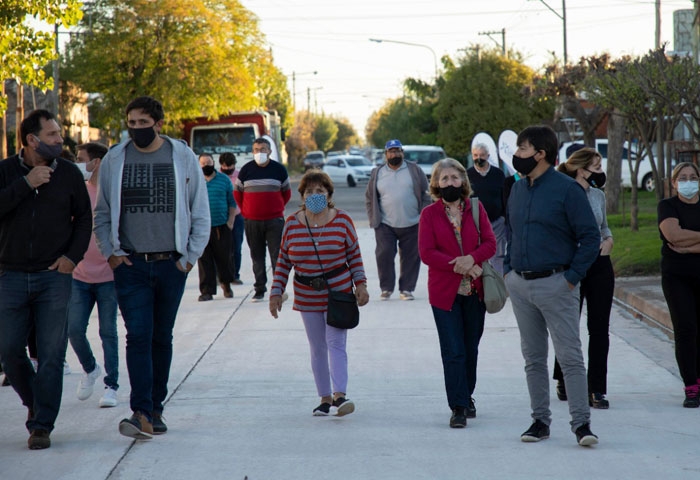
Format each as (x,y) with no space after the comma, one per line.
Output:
(553,241)
(45,227)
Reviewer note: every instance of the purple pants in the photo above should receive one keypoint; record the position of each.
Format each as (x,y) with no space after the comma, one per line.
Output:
(329,360)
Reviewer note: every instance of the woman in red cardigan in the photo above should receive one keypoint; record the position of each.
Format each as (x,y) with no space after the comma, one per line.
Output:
(451,248)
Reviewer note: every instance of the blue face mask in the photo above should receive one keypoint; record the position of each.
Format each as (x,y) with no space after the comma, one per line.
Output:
(688,189)
(316,202)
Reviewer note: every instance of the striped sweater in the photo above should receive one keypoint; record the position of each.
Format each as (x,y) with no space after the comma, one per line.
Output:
(262,192)
(337,243)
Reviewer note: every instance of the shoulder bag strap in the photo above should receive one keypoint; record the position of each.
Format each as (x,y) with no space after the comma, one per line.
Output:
(475,215)
(315,249)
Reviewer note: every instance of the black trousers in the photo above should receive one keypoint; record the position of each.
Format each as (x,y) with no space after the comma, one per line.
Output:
(682,292)
(215,261)
(597,289)
(263,235)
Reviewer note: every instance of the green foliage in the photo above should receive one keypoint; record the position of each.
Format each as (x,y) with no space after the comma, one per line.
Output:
(198,57)
(300,138)
(409,120)
(346,137)
(485,93)
(325,132)
(24,51)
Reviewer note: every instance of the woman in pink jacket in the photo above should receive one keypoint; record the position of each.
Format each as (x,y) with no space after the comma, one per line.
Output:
(451,248)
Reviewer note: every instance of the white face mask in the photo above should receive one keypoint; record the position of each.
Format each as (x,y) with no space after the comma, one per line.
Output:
(83,169)
(260,158)
(688,189)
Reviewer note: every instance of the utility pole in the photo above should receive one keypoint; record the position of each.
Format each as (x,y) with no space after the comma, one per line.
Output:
(657,34)
(502,32)
(562,16)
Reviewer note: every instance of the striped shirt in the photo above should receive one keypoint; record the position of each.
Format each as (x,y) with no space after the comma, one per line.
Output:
(262,192)
(337,244)
(220,192)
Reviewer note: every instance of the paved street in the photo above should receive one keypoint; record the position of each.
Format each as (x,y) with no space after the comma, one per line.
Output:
(241,395)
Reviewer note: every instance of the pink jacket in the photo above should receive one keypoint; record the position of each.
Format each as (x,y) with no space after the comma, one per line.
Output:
(437,245)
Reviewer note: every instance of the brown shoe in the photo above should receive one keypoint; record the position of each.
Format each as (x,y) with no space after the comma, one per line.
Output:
(138,427)
(226,287)
(39,439)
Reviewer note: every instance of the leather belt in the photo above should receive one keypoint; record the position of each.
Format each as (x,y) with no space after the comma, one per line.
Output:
(156,256)
(543,274)
(309,281)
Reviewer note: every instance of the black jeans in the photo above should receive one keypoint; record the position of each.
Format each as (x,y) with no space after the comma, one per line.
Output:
(215,261)
(262,235)
(597,289)
(682,292)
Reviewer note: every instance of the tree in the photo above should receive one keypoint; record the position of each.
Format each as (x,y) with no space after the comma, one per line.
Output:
(325,132)
(300,138)
(346,137)
(399,118)
(24,50)
(486,93)
(198,57)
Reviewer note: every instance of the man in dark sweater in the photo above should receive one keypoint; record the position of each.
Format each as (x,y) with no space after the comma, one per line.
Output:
(487,183)
(261,191)
(45,228)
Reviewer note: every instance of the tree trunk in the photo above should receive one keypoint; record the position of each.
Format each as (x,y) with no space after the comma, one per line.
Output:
(616,141)
(3,125)
(19,116)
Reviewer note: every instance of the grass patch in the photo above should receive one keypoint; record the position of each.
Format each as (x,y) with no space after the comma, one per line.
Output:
(636,253)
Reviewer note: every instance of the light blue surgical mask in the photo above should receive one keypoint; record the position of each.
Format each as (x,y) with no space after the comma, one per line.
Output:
(316,202)
(688,189)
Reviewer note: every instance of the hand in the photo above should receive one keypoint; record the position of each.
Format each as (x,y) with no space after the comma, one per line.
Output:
(39,175)
(185,269)
(361,294)
(606,246)
(463,264)
(679,249)
(475,271)
(63,265)
(229,224)
(114,261)
(275,304)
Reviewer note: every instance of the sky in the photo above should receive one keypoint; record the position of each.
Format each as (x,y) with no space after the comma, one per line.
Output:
(355,76)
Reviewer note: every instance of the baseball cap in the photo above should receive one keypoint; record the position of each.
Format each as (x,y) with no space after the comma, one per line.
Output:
(393,144)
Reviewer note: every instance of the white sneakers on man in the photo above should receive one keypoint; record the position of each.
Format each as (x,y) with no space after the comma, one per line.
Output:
(87,383)
(109,398)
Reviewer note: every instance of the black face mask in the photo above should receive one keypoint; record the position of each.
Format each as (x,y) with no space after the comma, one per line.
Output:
(208,170)
(480,162)
(394,161)
(228,171)
(142,137)
(451,193)
(596,179)
(524,165)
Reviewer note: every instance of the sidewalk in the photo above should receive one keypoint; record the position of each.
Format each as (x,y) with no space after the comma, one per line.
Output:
(241,395)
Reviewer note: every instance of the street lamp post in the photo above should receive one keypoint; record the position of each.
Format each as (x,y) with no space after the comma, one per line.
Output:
(294,86)
(381,40)
(562,16)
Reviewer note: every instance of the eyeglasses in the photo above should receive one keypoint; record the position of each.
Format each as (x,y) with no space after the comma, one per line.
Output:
(688,179)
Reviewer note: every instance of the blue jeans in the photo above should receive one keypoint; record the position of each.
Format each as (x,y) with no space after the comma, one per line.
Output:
(236,245)
(149,295)
(40,298)
(82,300)
(459,331)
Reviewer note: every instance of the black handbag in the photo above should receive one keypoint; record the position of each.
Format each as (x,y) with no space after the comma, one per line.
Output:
(343,311)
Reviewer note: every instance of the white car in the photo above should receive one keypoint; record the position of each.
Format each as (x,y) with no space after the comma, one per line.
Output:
(423,155)
(645,178)
(352,169)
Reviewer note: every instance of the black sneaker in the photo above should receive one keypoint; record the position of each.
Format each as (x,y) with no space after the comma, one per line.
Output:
(205,297)
(584,436)
(692,397)
(343,406)
(471,408)
(561,391)
(598,400)
(39,439)
(537,431)
(138,427)
(322,410)
(259,296)
(159,426)
(458,418)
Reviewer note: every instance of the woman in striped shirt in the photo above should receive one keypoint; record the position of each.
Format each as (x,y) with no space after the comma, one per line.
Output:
(320,227)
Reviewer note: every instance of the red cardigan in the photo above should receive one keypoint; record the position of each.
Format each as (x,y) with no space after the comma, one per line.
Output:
(437,245)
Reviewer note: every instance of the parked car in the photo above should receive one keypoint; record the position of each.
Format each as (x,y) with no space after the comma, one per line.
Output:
(314,159)
(423,155)
(645,177)
(352,169)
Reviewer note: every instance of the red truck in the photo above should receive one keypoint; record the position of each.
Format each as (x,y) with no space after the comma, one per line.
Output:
(234,133)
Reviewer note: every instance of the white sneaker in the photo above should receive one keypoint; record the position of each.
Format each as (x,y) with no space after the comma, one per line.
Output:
(87,383)
(66,368)
(109,398)
(385,295)
(406,295)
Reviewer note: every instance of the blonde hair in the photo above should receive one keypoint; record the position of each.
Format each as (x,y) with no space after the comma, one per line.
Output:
(677,170)
(582,158)
(435,177)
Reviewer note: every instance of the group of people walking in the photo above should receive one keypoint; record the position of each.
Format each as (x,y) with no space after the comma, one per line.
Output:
(56,263)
